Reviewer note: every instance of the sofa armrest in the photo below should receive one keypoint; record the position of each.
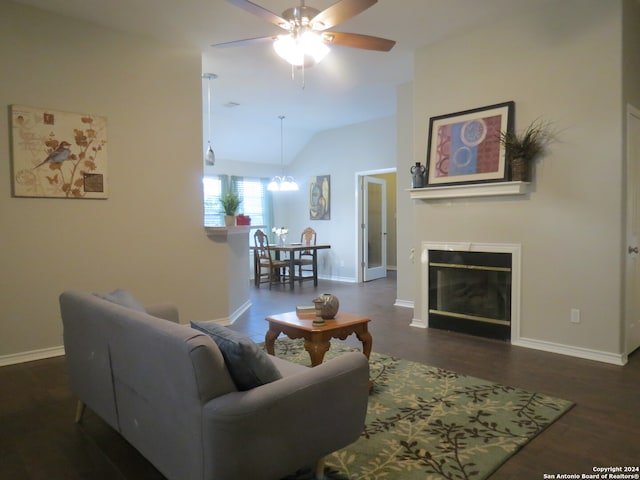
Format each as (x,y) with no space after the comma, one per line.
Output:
(166,311)
(297,419)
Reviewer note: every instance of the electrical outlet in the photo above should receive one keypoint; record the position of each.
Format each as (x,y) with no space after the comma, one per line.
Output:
(575,315)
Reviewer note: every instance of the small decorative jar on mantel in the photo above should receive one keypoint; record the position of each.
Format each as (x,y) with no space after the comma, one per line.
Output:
(418,176)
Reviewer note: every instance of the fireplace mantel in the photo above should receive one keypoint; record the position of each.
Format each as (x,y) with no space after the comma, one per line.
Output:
(470,190)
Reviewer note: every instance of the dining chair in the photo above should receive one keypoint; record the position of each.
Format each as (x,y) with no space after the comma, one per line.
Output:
(306,261)
(275,269)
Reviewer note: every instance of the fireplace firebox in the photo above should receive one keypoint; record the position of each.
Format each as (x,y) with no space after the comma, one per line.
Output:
(470,292)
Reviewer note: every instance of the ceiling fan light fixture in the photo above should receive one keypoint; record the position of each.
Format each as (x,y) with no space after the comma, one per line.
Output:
(302,50)
(313,45)
(286,47)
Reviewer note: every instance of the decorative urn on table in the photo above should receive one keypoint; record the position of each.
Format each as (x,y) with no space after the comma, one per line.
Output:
(326,307)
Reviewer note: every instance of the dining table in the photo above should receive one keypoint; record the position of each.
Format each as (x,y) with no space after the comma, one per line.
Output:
(290,249)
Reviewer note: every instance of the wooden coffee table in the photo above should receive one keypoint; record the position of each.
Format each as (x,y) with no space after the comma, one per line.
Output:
(317,338)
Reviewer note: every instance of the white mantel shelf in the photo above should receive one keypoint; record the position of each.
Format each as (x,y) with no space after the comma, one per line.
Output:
(470,190)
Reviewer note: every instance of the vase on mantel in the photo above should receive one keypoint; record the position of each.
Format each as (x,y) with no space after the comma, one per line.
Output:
(520,171)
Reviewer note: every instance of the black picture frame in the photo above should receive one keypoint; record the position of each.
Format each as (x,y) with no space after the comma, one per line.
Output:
(464,147)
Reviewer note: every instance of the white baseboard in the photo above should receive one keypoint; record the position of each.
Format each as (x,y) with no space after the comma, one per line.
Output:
(32,355)
(418,323)
(551,347)
(226,321)
(239,311)
(41,354)
(403,303)
(579,352)
(335,278)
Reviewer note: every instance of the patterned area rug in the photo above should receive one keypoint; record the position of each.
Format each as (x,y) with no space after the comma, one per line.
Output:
(428,423)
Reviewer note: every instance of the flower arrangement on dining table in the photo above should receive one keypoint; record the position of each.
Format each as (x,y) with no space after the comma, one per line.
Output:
(281,233)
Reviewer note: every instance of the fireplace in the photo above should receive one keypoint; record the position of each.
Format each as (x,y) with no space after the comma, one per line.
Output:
(471,288)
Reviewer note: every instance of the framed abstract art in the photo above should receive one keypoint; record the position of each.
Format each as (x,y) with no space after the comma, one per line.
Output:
(464,147)
(320,197)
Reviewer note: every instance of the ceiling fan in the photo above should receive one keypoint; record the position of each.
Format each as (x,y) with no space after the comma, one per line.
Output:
(307,38)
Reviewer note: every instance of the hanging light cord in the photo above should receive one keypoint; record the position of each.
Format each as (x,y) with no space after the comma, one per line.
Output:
(209,155)
(281,117)
(209,109)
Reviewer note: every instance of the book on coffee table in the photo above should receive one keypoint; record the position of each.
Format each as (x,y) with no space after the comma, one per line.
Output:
(306,311)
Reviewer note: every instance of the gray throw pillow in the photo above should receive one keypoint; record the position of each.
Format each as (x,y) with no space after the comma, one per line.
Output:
(248,364)
(122,297)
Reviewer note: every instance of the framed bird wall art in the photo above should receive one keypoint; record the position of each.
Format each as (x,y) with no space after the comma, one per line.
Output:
(58,154)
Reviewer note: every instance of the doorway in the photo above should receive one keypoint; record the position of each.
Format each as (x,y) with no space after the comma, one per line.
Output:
(376,232)
(632,264)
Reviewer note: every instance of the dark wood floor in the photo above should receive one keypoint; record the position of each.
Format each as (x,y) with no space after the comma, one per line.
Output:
(38,439)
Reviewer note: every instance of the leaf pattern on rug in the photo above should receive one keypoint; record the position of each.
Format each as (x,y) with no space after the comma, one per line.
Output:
(428,423)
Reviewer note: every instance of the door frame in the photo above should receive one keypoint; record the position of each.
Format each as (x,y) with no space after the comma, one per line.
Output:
(631,325)
(359,203)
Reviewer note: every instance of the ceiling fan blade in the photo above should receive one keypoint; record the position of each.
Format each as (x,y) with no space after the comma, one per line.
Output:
(355,40)
(340,12)
(246,41)
(263,13)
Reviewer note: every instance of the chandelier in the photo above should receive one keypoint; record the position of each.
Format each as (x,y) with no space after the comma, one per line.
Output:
(282,183)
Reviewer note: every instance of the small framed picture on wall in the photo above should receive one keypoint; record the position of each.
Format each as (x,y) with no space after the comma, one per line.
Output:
(319,197)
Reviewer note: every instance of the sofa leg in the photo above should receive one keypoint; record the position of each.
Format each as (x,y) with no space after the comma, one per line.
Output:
(79,411)
(320,469)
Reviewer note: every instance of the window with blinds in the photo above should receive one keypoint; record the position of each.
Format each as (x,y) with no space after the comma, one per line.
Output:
(213,214)
(253,193)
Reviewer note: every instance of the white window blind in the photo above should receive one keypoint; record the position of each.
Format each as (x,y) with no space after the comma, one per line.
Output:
(212,189)
(253,193)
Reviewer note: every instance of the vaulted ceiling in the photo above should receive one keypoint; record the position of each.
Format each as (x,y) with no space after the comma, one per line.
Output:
(254,86)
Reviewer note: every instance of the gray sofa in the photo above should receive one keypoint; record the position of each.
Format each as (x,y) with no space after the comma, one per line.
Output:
(165,387)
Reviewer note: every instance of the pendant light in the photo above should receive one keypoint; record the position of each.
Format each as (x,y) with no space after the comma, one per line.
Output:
(209,156)
(282,183)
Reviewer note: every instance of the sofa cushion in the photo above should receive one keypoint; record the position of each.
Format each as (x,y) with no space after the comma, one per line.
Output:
(248,364)
(122,297)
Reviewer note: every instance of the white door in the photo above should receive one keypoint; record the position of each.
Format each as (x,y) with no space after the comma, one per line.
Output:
(374,225)
(632,287)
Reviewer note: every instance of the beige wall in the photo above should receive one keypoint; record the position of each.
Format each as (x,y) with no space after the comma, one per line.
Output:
(148,236)
(406,259)
(563,65)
